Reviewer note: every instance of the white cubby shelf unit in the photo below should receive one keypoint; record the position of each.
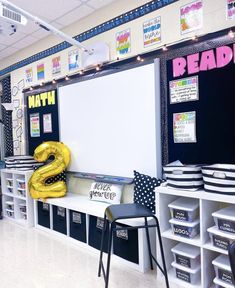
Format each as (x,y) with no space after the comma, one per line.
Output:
(208,203)
(76,218)
(17,204)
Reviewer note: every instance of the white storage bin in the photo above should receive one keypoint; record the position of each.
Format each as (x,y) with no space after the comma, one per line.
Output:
(219,178)
(191,276)
(9,189)
(220,239)
(186,177)
(185,229)
(10,213)
(10,205)
(9,182)
(21,192)
(225,219)
(21,183)
(218,284)
(186,255)
(22,207)
(223,270)
(184,209)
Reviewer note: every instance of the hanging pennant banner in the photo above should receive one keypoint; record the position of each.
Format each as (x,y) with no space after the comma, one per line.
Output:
(230,9)
(123,42)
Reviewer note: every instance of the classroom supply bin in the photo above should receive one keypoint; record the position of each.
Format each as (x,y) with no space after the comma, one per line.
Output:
(125,244)
(184,177)
(223,269)
(77,225)
(185,229)
(186,255)
(43,214)
(184,209)
(9,182)
(22,207)
(59,219)
(95,231)
(10,213)
(191,276)
(10,205)
(221,284)
(220,239)
(219,178)
(225,219)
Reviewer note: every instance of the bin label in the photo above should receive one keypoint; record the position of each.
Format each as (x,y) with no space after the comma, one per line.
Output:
(180,214)
(45,206)
(123,234)
(77,218)
(61,211)
(100,223)
(226,276)
(220,242)
(182,260)
(226,225)
(185,276)
(182,231)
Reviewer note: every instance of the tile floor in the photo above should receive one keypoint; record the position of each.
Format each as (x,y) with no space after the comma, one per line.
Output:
(30,258)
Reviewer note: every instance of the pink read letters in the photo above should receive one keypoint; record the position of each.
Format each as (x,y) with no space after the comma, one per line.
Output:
(204,61)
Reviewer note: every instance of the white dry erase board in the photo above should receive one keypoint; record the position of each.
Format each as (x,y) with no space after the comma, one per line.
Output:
(112,123)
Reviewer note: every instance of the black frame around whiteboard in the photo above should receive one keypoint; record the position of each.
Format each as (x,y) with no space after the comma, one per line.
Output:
(215,123)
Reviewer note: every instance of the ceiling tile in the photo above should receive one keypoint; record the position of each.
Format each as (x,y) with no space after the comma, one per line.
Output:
(11,39)
(49,9)
(24,42)
(99,3)
(75,15)
(2,46)
(41,33)
(7,52)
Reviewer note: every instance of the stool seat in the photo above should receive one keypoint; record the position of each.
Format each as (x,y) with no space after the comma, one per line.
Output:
(126,211)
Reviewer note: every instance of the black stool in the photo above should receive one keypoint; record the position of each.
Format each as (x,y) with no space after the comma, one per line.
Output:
(112,214)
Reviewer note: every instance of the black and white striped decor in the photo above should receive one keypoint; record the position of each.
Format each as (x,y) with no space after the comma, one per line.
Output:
(219,178)
(21,162)
(184,177)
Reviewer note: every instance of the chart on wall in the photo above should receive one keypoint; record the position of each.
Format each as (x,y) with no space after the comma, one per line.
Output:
(42,118)
(201,105)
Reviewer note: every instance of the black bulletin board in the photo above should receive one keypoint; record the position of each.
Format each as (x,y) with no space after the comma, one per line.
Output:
(40,104)
(215,110)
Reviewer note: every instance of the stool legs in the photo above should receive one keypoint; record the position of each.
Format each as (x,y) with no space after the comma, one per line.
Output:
(109,254)
(102,245)
(162,252)
(148,242)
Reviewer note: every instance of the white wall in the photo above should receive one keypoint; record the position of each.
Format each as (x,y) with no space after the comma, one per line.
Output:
(214,19)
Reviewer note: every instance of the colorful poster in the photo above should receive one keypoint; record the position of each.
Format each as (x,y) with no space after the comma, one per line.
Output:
(191,17)
(73,60)
(152,31)
(123,42)
(47,123)
(34,125)
(41,71)
(184,127)
(230,9)
(56,65)
(29,75)
(184,90)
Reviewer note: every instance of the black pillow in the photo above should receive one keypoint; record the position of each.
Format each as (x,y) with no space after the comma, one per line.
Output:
(144,186)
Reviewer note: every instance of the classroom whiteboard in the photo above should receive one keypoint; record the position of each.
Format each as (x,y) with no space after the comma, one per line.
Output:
(109,123)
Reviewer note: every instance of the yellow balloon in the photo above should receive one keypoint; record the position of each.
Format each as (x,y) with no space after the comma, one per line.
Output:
(37,183)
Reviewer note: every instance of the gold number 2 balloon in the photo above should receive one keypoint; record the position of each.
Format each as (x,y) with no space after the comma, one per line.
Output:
(37,185)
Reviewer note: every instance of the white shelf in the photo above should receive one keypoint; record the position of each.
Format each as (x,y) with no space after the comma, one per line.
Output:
(169,235)
(208,203)
(211,247)
(15,197)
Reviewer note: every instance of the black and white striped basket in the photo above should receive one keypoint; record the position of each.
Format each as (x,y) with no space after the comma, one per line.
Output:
(219,178)
(21,162)
(184,177)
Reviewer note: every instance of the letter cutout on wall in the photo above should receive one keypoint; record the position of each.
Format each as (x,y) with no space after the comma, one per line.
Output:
(37,183)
